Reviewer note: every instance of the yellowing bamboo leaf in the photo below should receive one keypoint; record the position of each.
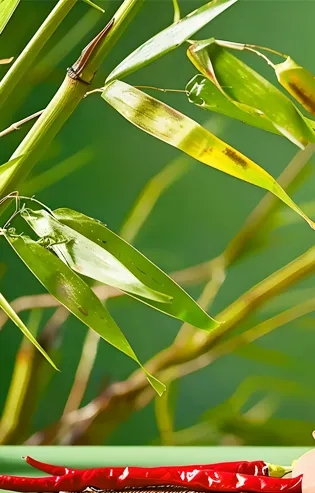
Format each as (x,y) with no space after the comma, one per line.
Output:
(249,91)
(298,81)
(170,38)
(180,131)
(8,310)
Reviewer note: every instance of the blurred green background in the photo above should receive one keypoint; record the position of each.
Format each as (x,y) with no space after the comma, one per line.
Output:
(192,222)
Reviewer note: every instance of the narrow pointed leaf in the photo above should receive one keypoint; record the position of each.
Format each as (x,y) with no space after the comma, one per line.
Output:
(86,257)
(8,310)
(170,38)
(7,7)
(94,5)
(299,82)
(73,293)
(250,92)
(182,305)
(176,11)
(176,129)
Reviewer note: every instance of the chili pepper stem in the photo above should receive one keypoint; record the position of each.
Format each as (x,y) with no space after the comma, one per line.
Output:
(276,471)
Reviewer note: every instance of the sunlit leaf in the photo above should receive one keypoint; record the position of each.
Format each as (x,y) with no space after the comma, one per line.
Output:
(180,131)
(170,38)
(94,5)
(86,257)
(182,306)
(7,7)
(8,310)
(176,11)
(298,81)
(73,293)
(203,93)
(250,92)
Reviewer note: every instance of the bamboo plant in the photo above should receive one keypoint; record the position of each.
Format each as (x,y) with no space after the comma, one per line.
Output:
(81,262)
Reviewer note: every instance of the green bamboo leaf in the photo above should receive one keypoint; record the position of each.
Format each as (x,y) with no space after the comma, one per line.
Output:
(182,306)
(86,257)
(73,293)
(170,38)
(176,11)
(203,93)
(8,310)
(298,81)
(176,129)
(94,5)
(7,7)
(250,92)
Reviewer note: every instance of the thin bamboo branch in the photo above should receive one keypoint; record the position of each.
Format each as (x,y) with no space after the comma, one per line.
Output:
(17,125)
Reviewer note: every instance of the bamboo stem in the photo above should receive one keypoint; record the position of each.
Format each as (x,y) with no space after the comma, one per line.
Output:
(23,62)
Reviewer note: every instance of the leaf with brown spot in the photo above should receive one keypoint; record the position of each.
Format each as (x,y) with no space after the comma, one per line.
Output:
(253,96)
(174,128)
(298,81)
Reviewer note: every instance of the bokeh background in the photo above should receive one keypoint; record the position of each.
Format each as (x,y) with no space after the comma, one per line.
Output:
(192,222)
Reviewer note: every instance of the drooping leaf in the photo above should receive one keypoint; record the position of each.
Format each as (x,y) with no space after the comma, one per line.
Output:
(203,93)
(170,38)
(73,293)
(180,131)
(182,306)
(86,257)
(298,81)
(7,7)
(249,91)
(6,307)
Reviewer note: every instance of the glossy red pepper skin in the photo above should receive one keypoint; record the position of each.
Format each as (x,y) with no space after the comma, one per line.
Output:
(257,468)
(190,477)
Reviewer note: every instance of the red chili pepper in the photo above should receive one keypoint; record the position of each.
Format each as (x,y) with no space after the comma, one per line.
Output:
(257,468)
(192,478)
